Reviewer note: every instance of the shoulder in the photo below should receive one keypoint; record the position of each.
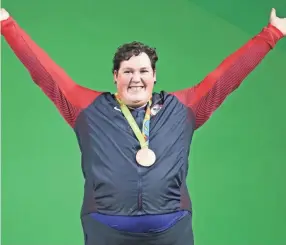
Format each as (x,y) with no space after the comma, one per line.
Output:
(163,97)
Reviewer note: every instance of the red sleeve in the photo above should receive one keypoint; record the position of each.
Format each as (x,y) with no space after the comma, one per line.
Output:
(205,97)
(68,97)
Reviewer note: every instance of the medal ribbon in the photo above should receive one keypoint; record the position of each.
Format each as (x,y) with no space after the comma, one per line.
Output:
(142,136)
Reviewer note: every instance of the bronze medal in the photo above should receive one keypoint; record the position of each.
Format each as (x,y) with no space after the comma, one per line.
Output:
(145,157)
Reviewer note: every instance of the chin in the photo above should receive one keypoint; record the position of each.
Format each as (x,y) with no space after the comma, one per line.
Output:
(137,102)
(135,99)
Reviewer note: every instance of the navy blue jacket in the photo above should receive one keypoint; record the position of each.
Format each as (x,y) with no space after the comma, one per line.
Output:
(114,183)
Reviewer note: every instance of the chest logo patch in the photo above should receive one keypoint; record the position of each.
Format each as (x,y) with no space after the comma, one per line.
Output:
(155,109)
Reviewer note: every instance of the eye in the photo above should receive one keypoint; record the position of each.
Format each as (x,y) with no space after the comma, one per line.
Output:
(144,71)
(127,72)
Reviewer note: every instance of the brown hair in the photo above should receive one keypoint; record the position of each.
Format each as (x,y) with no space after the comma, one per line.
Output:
(127,50)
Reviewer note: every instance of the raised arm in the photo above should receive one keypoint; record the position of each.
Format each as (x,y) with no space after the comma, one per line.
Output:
(205,97)
(68,97)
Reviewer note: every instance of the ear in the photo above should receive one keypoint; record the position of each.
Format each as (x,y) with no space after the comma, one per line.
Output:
(155,76)
(115,74)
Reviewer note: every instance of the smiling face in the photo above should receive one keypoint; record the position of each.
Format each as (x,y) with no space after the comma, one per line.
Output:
(135,80)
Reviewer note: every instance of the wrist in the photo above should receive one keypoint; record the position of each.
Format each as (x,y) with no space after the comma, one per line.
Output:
(6,23)
(275,31)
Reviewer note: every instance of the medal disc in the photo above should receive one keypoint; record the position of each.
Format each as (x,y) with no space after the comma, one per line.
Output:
(145,157)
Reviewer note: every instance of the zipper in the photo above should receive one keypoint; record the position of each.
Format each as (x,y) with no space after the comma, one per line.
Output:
(139,198)
(139,185)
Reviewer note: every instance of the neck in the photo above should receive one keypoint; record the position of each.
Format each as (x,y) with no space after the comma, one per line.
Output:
(137,107)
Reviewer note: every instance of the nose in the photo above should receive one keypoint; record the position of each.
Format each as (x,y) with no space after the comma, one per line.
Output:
(136,78)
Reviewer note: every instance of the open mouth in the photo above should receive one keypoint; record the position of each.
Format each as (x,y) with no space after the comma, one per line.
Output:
(136,88)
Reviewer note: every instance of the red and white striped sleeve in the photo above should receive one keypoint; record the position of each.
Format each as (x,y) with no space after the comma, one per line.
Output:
(69,97)
(205,97)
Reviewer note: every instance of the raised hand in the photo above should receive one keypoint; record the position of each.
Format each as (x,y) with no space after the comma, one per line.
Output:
(279,23)
(4,15)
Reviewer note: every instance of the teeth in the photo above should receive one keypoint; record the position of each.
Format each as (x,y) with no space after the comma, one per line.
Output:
(135,89)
